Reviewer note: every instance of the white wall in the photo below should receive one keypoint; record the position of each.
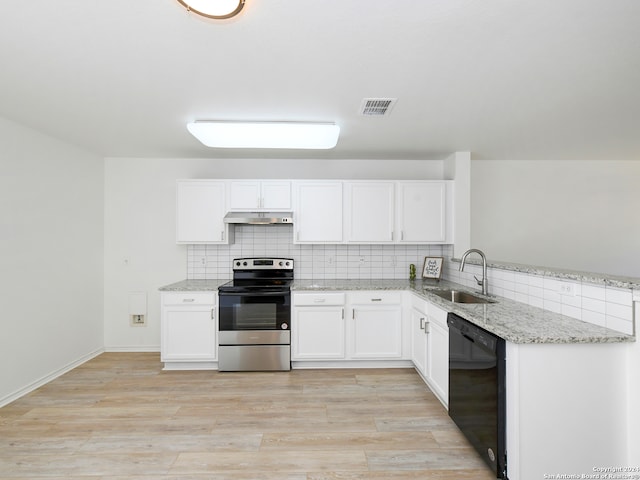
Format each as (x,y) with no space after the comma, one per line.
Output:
(579,215)
(51,220)
(140,250)
(458,167)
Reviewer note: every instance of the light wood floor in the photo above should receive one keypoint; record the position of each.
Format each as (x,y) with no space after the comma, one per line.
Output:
(119,416)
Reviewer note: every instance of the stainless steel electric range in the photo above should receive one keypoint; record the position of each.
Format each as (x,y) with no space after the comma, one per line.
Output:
(255,316)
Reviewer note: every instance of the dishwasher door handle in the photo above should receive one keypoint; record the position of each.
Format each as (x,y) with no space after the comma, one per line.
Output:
(468,337)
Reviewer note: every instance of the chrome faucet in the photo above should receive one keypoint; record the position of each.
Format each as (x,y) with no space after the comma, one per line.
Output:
(483,283)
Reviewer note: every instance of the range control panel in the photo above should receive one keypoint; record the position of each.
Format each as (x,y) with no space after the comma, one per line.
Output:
(263,264)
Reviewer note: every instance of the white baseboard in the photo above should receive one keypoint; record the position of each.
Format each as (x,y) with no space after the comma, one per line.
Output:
(302,364)
(190,366)
(134,348)
(47,378)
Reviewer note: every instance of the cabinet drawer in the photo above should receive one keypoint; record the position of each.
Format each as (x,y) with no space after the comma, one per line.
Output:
(376,298)
(189,298)
(300,299)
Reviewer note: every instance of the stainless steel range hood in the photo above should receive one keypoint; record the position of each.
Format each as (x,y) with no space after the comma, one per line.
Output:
(258,218)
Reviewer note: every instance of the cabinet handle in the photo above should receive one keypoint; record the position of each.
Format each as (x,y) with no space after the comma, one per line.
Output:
(353,314)
(376,299)
(319,300)
(188,299)
(426,328)
(212,314)
(343,313)
(422,326)
(401,234)
(222,235)
(392,236)
(259,202)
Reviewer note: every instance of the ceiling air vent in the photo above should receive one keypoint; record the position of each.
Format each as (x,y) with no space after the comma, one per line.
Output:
(377,107)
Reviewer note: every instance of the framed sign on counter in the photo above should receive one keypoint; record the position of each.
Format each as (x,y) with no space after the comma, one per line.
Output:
(432,267)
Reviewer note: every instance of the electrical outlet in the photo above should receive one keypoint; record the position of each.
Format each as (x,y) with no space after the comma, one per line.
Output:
(567,289)
(330,260)
(137,320)
(362,260)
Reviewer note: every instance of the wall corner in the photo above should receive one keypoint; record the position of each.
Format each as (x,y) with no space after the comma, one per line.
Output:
(457,167)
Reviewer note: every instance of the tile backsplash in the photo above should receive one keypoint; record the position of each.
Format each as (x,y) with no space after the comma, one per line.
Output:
(311,261)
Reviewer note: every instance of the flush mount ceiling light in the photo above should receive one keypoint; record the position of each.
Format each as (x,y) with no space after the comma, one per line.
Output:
(302,135)
(217,9)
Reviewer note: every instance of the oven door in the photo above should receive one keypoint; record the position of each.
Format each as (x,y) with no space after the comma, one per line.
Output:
(254,311)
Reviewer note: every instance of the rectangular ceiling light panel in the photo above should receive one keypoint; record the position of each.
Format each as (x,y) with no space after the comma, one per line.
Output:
(302,135)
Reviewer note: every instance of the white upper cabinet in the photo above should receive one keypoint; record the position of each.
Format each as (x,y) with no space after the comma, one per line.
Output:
(422,211)
(325,211)
(200,210)
(318,212)
(369,212)
(255,195)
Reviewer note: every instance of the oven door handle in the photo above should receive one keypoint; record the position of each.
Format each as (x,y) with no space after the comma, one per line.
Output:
(253,294)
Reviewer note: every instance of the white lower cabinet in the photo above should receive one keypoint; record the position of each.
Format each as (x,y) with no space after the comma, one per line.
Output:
(318,326)
(354,327)
(375,326)
(347,326)
(437,333)
(188,330)
(419,337)
(430,346)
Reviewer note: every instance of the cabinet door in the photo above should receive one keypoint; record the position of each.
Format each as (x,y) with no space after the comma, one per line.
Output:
(438,353)
(255,195)
(200,210)
(188,333)
(419,340)
(244,195)
(376,332)
(438,360)
(276,196)
(318,213)
(422,211)
(317,333)
(370,211)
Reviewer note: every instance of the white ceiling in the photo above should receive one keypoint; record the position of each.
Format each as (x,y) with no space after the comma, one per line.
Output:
(504,79)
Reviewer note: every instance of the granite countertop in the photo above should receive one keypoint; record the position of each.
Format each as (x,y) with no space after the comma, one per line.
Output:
(194,286)
(514,321)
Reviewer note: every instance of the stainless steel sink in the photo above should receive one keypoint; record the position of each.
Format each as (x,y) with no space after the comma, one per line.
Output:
(457,296)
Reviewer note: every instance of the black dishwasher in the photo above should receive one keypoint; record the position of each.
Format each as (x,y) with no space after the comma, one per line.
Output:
(477,390)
